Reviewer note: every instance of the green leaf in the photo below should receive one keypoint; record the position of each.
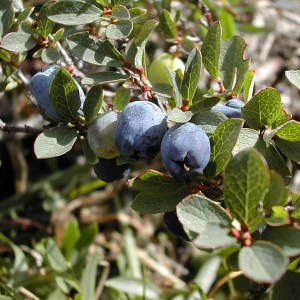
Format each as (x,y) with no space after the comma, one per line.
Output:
(50,55)
(290,131)
(11,292)
(88,279)
(274,160)
(163,89)
(135,48)
(287,287)
(55,257)
(136,12)
(70,12)
(293,77)
(26,27)
(191,75)
(208,273)
(64,94)
(248,85)
(104,77)
(24,15)
(263,262)
(247,139)
(159,193)
(222,142)
(246,182)
(92,103)
(38,53)
(208,120)
(281,119)
(233,66)
(119,30)
(20,265)
(44,25)
(167,25)
(176,115)
(204,104)
(57,35)
(277,194)
(228,23)
(5,55)
(196,212)
(18,42)
(121,98)
(279,217)
(96,53)
(134,287)
(289,149)
(120,12)
(211,49)
(80,251)
(144,33)
(263,109)
(176,83)
(214,236)
(287,238)
(154,182)
(6,16)
(88,235)
(70,238)
(54,142)
(88,152)
(62,284)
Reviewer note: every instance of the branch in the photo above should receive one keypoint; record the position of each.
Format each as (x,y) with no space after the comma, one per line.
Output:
(223,281)
(13,128)
(138,77)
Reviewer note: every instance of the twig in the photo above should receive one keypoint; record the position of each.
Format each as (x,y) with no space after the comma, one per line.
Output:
(69,61)
(204,10)
(28,294)
(23,77)
(14,128)
(161,269)
(97,197)
(103,278)
(222,281)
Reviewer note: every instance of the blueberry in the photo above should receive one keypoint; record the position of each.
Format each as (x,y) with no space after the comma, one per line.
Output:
(108,171)
(100,135)
(140,129)
(40,88)
(231,109)
(235,103)
(185,150)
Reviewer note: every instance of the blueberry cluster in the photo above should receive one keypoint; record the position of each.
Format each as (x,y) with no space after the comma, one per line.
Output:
(139,132)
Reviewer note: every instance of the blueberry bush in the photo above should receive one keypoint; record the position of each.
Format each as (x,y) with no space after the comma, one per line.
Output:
(158,98)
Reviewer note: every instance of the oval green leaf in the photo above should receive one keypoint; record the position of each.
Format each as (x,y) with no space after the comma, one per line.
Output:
(287,238)
(222,142)
(246,182)
(263,109)
(92,103)
(55,141)
(6,16)
(119,30)
(104,77)
(70,12)
(263,262)
(195,212)
(18,42)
